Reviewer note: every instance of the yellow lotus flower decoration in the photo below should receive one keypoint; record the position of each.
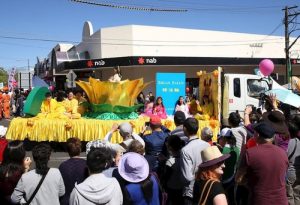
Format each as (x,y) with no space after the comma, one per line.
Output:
(122,93)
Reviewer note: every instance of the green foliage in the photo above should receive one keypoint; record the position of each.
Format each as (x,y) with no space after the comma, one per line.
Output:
(3,76)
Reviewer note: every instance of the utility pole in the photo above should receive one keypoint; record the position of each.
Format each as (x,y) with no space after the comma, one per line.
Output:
(287,33)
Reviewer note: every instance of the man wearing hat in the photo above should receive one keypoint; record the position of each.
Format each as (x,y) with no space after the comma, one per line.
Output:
(276,119)
(190,158)
(126,132)
(265,166)
(154,142)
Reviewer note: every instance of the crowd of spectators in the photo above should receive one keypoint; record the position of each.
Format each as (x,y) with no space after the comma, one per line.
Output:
(255,161)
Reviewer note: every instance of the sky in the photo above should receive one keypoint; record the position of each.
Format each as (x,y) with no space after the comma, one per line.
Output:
(50,22)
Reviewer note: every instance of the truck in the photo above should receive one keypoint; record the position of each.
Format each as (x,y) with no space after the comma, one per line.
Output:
(233,92)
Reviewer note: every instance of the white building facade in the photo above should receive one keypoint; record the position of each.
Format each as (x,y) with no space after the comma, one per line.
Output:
(142,51)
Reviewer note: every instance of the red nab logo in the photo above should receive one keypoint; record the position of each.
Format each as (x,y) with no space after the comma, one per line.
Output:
(90,64)
(141,60)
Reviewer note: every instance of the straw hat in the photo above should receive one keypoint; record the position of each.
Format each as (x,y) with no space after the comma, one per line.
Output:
(211,156)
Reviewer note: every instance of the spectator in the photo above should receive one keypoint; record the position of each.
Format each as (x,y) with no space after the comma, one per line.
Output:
(238,130)
(265,167)
(142,187)
(179,118)
(230,166)
(190,158)
(154,142)
(115,150)
(74,170)
(13,166)
(293,173)
(51,188)
(97,188)
(172,171)
(221,141)
(126,132)
(277,120)
(137,147)
(207,135)
(208,188)
(3,141)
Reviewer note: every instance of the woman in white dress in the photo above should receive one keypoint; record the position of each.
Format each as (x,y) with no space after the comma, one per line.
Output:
(181,106)
(117,75)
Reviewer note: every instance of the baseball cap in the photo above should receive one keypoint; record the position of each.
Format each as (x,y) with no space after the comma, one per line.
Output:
(125,129)
(225,132)
(155,120)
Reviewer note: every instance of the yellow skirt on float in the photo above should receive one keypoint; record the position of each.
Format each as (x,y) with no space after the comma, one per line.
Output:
(60,130)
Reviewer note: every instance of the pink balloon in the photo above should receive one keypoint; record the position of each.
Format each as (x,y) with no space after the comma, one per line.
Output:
(266,67)
(51,87)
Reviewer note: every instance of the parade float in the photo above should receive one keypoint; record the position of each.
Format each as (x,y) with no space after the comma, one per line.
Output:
(109,103)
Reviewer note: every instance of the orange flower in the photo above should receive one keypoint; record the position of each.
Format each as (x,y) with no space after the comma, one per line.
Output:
(68,125)
(213,123)
(30,122)
(168,124)
(216,73)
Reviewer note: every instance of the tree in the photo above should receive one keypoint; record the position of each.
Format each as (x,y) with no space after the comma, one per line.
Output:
(3,76)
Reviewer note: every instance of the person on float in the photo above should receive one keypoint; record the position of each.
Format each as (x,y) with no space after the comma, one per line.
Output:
(159,108)
(182,106)
(48,106)
(149,106)
(79,97)
(207,106)
(71,105)
(117,75)
(6,103)
(195,108)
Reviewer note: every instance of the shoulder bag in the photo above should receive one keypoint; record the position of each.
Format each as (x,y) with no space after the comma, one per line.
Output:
(208,188)
(37,188)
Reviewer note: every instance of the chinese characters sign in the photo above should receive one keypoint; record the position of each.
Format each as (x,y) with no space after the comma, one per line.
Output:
(170,86)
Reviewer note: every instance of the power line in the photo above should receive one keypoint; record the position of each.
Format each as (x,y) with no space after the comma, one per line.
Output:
(115,39)
(37,39)
(128,7)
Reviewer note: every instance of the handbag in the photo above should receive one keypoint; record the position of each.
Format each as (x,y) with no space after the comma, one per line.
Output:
(37,188)
(163,195)
(211,182)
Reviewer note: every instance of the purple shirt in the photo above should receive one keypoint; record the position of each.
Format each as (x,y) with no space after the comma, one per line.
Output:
(266,169)
(281,142)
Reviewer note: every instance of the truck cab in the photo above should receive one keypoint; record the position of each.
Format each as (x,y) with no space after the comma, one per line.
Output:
(240,90)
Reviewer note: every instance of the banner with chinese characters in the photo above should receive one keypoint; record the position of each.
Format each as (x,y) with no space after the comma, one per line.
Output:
(170,86)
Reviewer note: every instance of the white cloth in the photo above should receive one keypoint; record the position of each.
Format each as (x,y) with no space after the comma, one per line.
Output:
(97,189)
